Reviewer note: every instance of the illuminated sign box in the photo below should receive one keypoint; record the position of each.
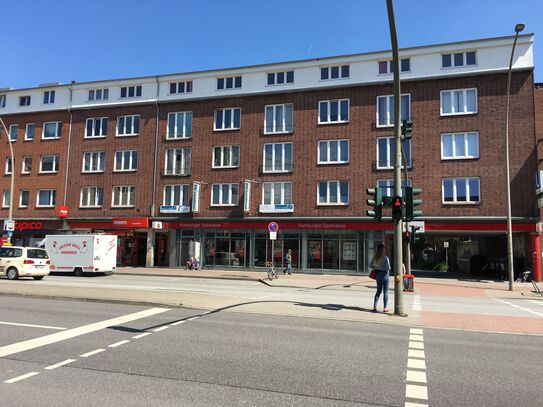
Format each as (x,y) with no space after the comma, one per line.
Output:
(278,208)
(174,209)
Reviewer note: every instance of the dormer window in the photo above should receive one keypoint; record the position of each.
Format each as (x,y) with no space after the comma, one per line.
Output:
(387,67)
(230,82)
(458,59)
(131,91)
(334,72)
(24,100)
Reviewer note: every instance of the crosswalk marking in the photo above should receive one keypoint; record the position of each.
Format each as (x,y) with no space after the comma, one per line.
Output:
(416,360)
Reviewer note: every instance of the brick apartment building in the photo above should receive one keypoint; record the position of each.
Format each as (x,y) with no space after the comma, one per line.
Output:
(197,164)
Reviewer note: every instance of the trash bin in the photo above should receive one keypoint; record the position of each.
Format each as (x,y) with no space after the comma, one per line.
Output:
(409,282)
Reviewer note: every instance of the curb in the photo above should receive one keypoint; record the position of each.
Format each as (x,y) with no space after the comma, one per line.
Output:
(189,276)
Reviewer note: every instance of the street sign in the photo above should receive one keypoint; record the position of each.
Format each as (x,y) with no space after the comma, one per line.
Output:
(417,223)
(9,225)
(273,235)
(445,244)
(273,227)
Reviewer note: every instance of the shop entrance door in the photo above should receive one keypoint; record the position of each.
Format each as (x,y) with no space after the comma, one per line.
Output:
(140,254)
(161,250)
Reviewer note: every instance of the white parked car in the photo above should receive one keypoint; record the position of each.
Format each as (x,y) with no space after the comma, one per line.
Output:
(17,261)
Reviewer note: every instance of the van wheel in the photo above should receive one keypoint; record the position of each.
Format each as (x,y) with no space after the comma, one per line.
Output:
(38,277)
(78,272)
(12,273)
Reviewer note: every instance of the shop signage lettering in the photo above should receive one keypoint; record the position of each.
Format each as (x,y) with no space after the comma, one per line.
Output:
(196,197)
(174,209)
(278,208)
(28,225)
(131,222)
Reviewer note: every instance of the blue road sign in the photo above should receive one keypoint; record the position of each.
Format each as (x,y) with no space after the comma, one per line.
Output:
(273,227)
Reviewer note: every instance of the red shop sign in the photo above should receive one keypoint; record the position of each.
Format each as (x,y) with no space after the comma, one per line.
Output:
(28,225)
(130,222)
(62,211)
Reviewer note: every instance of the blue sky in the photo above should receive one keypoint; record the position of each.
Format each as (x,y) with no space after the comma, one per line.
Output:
(61,40)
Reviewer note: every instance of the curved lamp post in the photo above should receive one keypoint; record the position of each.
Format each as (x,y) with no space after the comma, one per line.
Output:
(10,215)
(518,29)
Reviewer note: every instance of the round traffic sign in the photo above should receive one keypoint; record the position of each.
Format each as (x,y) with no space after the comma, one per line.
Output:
(273,227)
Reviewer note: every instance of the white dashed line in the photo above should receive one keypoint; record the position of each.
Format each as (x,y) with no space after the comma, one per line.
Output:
(416,360)
(141,335)
(114,345)
(19,378)
(536,302)
(92,352)
(63,363)
(161,328)
(191,319)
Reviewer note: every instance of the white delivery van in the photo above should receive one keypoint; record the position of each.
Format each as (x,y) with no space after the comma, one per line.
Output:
(82,253)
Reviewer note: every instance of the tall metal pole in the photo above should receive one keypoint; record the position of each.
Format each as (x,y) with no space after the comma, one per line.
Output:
(510,268)
(12,178)
(398,250)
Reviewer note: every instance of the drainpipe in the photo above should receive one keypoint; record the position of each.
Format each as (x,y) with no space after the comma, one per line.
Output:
(65,226)
(156,148)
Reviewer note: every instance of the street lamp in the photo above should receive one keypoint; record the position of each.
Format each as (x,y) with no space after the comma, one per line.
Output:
(518,29)
(10,215)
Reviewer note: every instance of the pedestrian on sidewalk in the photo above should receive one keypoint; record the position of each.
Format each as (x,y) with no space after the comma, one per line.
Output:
(288,261)
(381,264)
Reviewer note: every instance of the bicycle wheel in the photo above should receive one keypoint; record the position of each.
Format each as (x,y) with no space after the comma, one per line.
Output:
(270,274)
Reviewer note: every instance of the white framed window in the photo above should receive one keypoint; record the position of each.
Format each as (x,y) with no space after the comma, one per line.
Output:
(229,82)
(24,100)
(24,198)
(130,91)
(179,125)
(96,127)
(27,165)
(5,199)
(128,125)
(388,186)
(278,119)
(94,161)
(46,198)
(51,130)
(456,146)
(13,132)
(334,72)
(333,193)
(123,196)
(386,148)
(333,111)
(126,160)
(277,157)
(176,195)
(225,156)
(458,101)
(387,67)
(49,164)
(180,87)
(280,78)
(2,101)
(29,131)
(91,197)
(224,194)
(276,193)
(9,166)
(458,59)
(178,161)
(48,97)
(227,119)
(461,190)
(385,109)
(333,152)
(99,94)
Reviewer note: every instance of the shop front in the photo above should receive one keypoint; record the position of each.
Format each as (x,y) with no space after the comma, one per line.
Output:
(32,232)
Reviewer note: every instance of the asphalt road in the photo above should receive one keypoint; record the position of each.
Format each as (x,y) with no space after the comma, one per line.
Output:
(56,353)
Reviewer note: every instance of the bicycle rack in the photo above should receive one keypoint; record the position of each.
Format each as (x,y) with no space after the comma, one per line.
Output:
(537,289)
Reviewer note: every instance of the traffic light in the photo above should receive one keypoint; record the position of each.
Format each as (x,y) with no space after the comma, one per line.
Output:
(397,208)
(410,203)
(407,129)
(414,237)
(376,203)
(407,236)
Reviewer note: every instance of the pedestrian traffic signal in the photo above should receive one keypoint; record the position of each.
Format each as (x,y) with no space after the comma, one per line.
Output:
(397,208)
(407,236)
(407,129)
(410,203)
(376,203)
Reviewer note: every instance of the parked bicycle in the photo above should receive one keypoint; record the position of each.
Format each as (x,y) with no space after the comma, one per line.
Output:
(272,273)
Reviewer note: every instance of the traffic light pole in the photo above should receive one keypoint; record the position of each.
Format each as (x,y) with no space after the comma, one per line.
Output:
(407,228)
(398,249)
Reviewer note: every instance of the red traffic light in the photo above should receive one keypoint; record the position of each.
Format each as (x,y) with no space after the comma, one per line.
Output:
(407,234)
(397,201)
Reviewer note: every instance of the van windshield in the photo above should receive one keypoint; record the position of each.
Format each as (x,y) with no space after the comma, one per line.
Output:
(37,254)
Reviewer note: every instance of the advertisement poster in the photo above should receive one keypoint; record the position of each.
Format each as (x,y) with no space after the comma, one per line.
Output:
(349,250)
(196,197)
(247,196)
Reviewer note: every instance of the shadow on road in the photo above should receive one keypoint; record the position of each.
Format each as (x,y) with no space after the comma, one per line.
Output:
(333,307)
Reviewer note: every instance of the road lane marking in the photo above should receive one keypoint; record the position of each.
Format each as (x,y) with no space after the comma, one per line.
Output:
(416,364)
(142,335)
(408,404)
(417,306)
(416,338)
(116,344)
(161,328)
(92,352)
(72,333)
(22,377)
(415,331)
(58,328)
(416,354)
(416,345)
(63,363)
(191,319)
(178,323)
(414,391)
(539,314)
(416,376)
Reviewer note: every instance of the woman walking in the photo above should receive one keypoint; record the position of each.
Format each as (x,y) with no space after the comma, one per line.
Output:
(381,264)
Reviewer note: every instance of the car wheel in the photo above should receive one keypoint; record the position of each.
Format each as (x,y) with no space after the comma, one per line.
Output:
(12,273)
(78,272)
(38,277)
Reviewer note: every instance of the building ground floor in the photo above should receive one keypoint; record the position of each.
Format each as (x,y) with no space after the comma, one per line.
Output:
(326,245)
